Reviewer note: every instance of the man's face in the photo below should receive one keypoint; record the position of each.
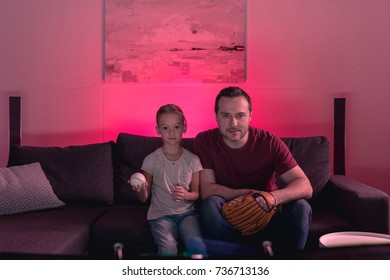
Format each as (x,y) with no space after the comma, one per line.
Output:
(233,118)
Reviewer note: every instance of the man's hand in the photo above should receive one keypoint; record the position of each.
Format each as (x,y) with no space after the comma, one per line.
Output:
(265,199)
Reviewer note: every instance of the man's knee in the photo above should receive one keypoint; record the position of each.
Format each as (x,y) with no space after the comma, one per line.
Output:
(213,201)
(213,223)
(211,205)
(300,218)
(301,208)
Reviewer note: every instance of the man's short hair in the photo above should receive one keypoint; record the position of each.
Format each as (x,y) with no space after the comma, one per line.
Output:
(232,92)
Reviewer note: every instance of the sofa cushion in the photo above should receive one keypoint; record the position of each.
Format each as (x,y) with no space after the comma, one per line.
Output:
(313,156)
(324,221)
(130,152)
(78,174)
(126,224)
(25,188)
(60,231)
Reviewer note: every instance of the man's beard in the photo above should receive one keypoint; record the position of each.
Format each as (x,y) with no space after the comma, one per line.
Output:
(233,134)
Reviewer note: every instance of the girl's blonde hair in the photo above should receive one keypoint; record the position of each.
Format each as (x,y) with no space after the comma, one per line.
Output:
(171,108)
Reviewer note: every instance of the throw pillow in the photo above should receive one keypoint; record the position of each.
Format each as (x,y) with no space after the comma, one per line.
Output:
(25,188)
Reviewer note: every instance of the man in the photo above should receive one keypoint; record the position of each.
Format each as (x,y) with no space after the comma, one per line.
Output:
(238,159)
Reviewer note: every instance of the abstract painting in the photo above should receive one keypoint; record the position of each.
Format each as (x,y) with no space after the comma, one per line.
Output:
(174,41)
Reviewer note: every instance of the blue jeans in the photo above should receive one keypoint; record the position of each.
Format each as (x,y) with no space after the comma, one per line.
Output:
(168,231)
(287,230)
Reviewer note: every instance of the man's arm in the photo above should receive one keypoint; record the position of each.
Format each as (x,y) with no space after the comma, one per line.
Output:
(209,187)
(298,186)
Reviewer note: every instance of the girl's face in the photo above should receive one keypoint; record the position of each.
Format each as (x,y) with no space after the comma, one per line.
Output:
(171,128)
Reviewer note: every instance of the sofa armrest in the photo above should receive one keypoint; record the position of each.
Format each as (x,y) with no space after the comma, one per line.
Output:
(366,207)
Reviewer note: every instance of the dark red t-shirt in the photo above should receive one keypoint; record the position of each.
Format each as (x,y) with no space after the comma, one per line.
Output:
(252,166)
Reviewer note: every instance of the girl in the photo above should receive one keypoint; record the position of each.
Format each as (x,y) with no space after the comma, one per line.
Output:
(172,179)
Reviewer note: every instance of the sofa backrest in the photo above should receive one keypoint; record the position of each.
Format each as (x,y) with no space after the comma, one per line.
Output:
(311,153)
(313,156)
(98,173)
(78,174)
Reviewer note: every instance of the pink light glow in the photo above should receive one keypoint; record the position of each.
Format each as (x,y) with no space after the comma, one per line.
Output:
(134,112)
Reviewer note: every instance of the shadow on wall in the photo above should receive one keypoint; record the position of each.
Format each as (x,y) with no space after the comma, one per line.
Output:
(373,176)
(61,139)
(314,129)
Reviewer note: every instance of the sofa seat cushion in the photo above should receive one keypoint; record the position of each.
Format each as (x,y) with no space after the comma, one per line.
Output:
(78,174)
(60,231)
(126,224)
(325,221)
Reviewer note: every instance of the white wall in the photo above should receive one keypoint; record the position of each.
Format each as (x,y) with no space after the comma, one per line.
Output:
(300,55)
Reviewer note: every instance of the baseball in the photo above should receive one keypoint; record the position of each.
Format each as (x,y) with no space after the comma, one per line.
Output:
(137,179)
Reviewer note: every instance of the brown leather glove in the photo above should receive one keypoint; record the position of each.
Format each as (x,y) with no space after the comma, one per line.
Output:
(247,215)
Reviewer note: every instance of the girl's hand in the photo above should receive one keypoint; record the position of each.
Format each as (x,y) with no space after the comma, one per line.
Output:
(139,187)
(179,193)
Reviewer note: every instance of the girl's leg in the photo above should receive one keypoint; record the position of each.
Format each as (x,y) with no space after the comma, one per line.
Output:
(165,233)
(191,235)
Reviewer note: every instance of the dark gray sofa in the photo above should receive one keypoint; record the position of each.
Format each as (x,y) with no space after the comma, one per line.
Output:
(82,177)
(101,209)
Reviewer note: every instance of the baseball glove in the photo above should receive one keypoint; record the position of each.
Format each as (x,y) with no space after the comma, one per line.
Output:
(247,215)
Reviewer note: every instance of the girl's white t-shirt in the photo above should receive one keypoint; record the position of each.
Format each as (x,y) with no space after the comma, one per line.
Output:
(166,175)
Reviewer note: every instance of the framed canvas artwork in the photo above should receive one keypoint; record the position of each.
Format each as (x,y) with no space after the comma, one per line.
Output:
(164,41)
